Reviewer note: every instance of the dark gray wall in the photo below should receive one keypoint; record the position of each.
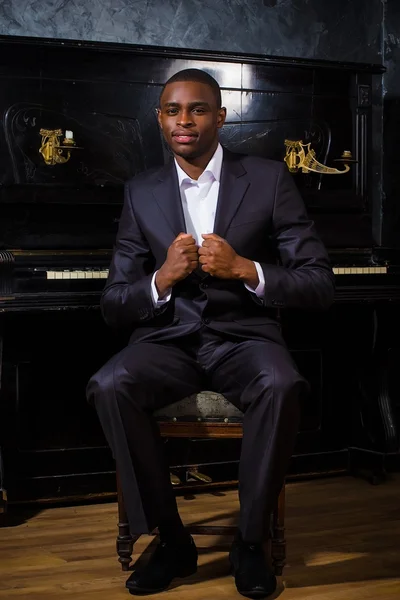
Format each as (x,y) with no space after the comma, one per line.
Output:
(339,30)
(391,139)
(392,48)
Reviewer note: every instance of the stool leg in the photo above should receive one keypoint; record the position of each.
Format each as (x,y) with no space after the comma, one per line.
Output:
(278,541)
(125,540)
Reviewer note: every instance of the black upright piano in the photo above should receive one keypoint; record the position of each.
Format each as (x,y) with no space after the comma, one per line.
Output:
(78,120)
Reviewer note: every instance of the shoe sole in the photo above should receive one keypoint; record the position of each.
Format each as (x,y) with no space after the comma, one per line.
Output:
(136,591)
(253,594)
(256,595)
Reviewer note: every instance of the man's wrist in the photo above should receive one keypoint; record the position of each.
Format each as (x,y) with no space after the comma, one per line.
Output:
(163,283)
(245,270)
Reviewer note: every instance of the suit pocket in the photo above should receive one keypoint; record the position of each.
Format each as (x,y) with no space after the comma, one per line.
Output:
(159,322)
(256,216)
(250,321)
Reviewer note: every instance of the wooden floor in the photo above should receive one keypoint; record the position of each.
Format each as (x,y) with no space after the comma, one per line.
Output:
(343,543)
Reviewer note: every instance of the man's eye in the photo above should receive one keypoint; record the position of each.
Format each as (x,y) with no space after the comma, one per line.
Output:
(199,110)
(171,111)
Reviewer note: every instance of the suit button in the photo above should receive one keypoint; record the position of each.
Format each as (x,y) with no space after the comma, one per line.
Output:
(206,321)
(277,303)
(204,286)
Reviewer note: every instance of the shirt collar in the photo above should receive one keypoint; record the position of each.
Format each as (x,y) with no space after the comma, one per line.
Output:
(214,167)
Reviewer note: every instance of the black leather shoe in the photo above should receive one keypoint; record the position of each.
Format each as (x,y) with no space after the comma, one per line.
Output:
(253,577)
(167,562)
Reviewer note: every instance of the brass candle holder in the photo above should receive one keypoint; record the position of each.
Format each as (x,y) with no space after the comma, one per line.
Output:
(301,156)
(53,150)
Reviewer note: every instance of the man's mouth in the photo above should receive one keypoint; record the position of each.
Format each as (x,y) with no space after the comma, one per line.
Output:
(184,138)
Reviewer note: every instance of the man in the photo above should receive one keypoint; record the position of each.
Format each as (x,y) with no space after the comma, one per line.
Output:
(194,278)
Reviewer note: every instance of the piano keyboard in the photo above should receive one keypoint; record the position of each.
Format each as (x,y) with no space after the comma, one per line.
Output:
(75,274)
(360,270)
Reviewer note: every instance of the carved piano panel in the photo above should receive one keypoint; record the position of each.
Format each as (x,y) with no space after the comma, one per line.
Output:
(112,146)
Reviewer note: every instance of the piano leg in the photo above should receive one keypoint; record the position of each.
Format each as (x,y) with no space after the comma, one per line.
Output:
(3,493)
(367,464)
(379,442)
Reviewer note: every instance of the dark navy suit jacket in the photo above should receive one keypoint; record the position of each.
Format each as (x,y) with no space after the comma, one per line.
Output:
(261,215)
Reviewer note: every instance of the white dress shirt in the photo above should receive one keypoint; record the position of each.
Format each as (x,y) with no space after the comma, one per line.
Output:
(199,202)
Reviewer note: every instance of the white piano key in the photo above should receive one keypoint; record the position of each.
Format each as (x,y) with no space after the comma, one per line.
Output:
(360,270)
(78,274)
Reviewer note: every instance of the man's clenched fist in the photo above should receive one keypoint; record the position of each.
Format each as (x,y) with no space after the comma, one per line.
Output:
(182,259)
(219,259)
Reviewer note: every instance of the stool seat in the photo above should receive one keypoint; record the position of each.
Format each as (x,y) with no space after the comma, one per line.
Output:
(204,405)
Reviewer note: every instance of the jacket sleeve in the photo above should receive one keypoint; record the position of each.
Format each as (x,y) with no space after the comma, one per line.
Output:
(126,300)
(304,277)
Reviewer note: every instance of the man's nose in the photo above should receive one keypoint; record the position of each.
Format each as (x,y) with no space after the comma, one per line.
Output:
(185,118)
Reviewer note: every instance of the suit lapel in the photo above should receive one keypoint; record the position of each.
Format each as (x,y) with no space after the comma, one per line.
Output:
(168,199)
(234,184)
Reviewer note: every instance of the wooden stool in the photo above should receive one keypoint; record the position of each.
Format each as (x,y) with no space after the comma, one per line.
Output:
(204,415)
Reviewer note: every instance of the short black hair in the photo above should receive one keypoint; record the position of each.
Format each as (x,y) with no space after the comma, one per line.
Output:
(200,77)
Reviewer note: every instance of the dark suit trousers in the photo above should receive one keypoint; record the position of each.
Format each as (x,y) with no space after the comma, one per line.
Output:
(259,377)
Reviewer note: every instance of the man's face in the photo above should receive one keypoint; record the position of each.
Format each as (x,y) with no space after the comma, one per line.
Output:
(190,118)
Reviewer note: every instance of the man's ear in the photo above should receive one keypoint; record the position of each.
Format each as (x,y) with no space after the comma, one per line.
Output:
(221,116)
(158,111)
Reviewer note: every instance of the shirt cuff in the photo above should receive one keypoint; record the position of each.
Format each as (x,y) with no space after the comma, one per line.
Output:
(259,291)
(154,293)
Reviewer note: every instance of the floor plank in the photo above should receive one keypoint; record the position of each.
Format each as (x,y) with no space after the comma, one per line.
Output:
(343,542)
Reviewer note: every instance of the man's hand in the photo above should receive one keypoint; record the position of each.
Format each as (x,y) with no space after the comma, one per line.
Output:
(219,259)
(182,259)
